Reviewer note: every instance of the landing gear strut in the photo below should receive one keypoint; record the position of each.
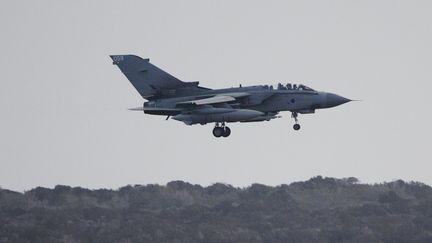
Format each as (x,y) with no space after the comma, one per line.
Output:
(220,130)
(296,125)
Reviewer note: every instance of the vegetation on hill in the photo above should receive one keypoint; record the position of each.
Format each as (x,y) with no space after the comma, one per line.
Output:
(317,210)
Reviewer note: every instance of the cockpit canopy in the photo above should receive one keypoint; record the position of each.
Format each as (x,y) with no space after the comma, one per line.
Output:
(290,86)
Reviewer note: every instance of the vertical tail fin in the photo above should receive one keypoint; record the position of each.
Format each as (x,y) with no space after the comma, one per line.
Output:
(147,79)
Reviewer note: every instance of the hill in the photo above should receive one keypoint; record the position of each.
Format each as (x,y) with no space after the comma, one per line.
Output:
(317,210)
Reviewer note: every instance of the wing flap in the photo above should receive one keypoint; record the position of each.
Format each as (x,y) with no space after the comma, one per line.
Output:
(208,101)
(220,98)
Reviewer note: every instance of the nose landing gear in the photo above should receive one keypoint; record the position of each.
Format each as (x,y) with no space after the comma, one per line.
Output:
(296,125)
(220,130)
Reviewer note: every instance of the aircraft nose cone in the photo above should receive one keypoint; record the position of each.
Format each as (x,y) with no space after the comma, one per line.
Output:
(335,100)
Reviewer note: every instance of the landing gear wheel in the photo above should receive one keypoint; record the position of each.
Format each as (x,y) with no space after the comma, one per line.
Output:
(227,132)
(218,131)
(296,125)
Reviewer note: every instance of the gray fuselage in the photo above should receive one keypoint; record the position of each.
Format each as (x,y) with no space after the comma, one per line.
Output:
(192,104)
(260,98)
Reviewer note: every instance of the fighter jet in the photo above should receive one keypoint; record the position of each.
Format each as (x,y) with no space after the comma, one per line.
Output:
(191,103)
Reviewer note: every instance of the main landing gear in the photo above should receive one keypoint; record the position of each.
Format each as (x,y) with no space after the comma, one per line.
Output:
(296,125)
(220,130)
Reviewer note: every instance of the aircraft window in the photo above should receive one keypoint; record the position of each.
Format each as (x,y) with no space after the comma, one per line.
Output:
(290,86)
(304,87)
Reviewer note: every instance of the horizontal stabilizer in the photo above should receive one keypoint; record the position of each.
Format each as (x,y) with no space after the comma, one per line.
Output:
(136,109)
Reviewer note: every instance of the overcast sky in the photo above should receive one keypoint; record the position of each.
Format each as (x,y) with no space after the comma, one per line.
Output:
(64,117)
